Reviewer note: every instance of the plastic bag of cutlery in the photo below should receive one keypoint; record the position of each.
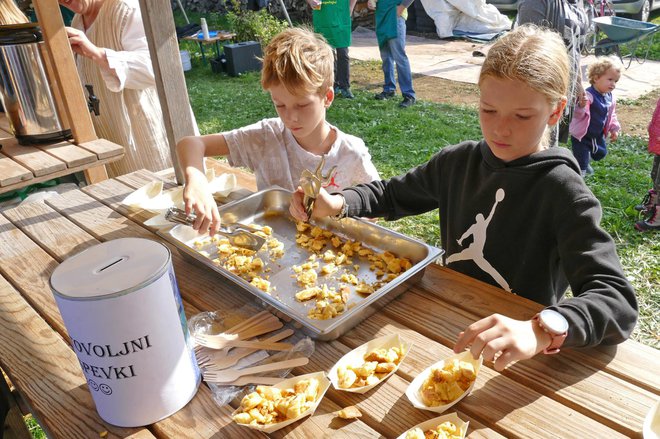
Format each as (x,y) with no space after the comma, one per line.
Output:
(232,326)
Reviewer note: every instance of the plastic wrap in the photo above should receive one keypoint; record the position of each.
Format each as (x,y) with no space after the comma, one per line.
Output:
(215,322)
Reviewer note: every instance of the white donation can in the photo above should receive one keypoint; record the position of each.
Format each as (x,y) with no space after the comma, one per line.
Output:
(122,309)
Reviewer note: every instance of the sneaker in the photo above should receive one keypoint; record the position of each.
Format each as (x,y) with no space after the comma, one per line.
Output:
(587,172)
(652,222)
(407,102)
(344,93)
(650,200)
(384,95)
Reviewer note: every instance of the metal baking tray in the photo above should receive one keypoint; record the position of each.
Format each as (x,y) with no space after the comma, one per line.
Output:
(271,208)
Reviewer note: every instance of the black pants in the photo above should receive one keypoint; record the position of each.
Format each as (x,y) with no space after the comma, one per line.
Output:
(342,69)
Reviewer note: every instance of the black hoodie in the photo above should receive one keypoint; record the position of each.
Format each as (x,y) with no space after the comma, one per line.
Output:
(530,226)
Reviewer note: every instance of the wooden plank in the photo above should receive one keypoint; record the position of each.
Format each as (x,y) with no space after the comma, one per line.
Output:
(70,154)
(11,172)
(44,226)
(47,177)
(606,398)
(34,159)
(170,81)
(627,361)
(66,78)
(103,148)
(28,267)
(507,400)
(46,372)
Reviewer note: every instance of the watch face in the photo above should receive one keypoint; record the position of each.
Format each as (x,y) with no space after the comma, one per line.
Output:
(553,321)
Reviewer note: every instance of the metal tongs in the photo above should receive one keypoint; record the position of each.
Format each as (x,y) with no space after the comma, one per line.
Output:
(237,234)
(312,183)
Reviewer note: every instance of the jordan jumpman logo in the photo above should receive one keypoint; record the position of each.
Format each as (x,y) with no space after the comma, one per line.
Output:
(475,251)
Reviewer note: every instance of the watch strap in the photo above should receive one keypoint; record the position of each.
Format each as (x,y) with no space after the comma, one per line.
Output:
(343,213)
(556,340)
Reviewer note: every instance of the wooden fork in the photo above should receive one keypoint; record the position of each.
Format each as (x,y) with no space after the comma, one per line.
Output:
(219,344)
(229,375)
(232,332)
(219,362)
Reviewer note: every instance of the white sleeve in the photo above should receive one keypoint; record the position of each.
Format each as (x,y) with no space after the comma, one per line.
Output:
(131,67)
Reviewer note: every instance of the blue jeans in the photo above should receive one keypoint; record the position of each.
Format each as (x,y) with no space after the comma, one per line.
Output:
(394,52)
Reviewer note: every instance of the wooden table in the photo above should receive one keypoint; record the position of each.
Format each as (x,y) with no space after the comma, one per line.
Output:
(21,166)
(220,36)
(595,393)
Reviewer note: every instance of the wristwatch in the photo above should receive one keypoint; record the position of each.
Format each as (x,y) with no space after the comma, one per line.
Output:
(554,324)
(343,213)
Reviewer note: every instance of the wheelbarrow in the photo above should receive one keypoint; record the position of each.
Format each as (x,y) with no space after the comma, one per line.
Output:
(624,32)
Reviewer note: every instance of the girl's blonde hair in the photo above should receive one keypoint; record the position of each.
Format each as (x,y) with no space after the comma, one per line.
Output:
(532,55)
(600,66)
(10,13)
(300,60)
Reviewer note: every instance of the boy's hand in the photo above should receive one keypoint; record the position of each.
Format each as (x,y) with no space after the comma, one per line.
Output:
(399,10)
(613,136)
(503,340)
(198,199)
(325,205)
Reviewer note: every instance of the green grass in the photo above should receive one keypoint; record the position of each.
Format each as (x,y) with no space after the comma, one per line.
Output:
(399,140)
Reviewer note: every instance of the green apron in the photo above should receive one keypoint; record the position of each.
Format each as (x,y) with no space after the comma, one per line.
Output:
(386,20)
(333,21)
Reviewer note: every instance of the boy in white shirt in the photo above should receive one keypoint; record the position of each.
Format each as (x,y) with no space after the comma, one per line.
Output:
(298,73)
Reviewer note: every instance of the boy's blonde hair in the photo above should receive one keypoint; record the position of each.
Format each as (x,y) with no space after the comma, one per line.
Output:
(532,55)
(300,60)
(600,66)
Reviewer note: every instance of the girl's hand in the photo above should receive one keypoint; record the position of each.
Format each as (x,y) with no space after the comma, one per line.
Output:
(582,100)
(198,199)
(81,45)
(613,136)
(503,340)
(325,205)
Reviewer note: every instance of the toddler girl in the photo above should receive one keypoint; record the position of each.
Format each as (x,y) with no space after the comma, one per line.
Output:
(594,116)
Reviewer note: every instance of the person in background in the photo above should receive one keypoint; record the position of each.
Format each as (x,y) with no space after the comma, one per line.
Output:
(298,74)
(594,117)
(568,18)
(332,19)
(650,207)
(391,33)
(108,39)
(481,187)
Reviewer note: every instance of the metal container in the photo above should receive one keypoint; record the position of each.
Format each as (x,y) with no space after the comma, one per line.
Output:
(271,208)
(24,89)
(122,309)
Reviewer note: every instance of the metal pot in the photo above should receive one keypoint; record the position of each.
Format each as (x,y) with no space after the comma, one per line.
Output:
(24,90)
